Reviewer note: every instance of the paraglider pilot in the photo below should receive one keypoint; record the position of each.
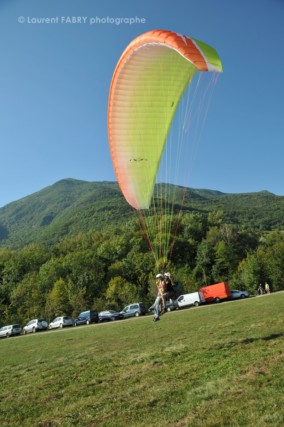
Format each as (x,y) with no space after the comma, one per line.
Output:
(160,299)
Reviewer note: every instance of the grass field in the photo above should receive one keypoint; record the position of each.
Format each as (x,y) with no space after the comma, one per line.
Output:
(218,365)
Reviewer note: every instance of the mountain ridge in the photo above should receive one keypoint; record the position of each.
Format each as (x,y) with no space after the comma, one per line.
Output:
(71,206)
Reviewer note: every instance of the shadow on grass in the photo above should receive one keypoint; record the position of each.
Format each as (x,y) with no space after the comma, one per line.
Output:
(247,341)
(268,338)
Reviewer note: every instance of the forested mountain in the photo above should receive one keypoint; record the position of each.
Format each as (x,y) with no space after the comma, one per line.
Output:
(76,245)
(71,206)
(67,207)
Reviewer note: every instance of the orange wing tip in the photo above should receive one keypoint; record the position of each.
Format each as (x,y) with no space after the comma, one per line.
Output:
(201,55)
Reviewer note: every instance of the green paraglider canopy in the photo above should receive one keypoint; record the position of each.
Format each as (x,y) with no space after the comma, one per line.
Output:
(148,83)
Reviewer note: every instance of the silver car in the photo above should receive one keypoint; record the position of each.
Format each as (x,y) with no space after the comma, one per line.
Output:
(235,294)
(35,325)
(135,309)
(10,330)
(61,322)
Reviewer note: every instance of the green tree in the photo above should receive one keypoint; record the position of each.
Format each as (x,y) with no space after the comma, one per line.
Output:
(120,293)
(216,218)
(86,270)
(193,226)
(49,273)
(271,252)
(77,298)
(225,261)
(28,259)
(115,247)
(26,301)
(250,272)
(204,262)
(57,302)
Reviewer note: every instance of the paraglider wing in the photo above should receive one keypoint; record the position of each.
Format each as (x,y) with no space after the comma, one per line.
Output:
(147,85)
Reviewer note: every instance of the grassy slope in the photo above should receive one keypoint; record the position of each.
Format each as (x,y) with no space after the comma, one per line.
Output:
(219,365)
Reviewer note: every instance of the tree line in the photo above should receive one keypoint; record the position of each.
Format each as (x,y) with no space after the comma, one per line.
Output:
(114,267)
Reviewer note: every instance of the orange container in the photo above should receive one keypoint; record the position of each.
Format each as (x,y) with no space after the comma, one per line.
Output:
(216,292)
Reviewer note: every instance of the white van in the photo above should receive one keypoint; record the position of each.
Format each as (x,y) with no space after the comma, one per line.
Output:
(195,298)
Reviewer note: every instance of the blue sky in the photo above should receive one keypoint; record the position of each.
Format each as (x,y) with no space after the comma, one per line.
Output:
(54,84)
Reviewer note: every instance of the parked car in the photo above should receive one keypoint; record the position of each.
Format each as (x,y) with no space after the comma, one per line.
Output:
(61,322)
(86,317)
(235,294)
(194,298)
(10,330)
(35,325)
(171,305)
(135,309)
(108,315)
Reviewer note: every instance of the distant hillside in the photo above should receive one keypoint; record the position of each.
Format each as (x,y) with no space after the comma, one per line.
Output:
(70,206)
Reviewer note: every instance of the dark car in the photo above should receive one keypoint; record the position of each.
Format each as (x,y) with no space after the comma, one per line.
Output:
(107,315)
(86,317)
(135,309)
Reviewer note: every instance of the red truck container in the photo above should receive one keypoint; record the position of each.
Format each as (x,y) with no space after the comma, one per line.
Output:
(216,292)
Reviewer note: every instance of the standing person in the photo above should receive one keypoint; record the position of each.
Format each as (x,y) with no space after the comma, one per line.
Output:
(260,289)
(162,291)
(267,288)
(169,286)
(159,299)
